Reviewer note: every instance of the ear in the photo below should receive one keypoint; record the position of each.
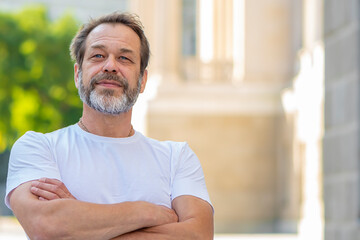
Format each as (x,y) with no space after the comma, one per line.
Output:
(76,75)
(143,81)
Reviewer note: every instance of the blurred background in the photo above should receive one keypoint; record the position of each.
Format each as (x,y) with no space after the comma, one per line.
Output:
(265,92)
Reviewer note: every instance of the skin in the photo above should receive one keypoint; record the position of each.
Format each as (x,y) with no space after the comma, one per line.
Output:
(112,48)
(195,222)
(195,215)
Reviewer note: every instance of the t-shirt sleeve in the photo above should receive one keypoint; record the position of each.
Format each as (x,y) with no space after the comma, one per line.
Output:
(30,159)
(188,176)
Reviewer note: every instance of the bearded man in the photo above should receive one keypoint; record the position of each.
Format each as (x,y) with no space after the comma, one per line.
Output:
(100,178)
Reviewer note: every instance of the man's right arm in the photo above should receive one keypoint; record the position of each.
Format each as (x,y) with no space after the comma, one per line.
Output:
(73,219)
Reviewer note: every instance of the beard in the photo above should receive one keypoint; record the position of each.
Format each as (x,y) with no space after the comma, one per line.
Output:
(105,100)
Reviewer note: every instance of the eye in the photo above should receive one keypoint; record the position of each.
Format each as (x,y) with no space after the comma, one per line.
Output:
(124,58)
(98,56)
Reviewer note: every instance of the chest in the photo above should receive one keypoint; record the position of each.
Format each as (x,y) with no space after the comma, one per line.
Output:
(113,174)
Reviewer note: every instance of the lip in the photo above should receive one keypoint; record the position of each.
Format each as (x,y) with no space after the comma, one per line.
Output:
(109,83)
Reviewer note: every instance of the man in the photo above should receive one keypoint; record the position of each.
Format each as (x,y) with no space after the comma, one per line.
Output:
(99,178)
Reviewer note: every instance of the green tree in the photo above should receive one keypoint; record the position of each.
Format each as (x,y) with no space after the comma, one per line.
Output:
(37,90)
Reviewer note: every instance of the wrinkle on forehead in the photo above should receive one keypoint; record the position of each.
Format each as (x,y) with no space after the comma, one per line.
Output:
(114,33)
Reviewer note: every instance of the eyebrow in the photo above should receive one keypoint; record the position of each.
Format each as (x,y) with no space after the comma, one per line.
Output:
(121,50)
(96,46)
(126,50)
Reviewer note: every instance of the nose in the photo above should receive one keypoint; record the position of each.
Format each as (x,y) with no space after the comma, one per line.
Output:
(110,65)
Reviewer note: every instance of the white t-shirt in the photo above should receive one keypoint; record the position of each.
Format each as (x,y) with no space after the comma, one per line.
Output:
(108,170)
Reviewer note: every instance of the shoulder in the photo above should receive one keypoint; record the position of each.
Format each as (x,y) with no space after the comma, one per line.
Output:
(32,138)
(60,132)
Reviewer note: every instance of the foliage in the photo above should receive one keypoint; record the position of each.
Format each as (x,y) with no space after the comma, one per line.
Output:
(37,90)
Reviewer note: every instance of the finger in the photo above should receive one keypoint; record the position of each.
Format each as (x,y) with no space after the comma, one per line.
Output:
(53,181)
(62,186)
(43,193)
(57,187)
(49,188)
(50,180)
(52,185)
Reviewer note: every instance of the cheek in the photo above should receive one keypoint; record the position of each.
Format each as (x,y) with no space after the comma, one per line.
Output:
(88,75)
(91,69)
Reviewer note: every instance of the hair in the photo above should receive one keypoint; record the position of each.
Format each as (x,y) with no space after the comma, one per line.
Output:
(77,46)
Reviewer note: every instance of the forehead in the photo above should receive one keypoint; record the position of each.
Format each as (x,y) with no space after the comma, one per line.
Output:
(114,34)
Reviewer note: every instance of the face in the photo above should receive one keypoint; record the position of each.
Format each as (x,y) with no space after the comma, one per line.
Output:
(109,80)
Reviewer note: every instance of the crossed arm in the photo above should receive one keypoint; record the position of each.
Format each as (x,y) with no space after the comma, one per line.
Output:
(195,224)
(47,210)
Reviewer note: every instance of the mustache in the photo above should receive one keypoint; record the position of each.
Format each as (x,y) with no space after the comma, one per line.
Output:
(109,76)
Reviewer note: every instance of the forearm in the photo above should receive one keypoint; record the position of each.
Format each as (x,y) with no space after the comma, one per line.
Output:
(73,219)
(80,220)
(188,230)
(196,222)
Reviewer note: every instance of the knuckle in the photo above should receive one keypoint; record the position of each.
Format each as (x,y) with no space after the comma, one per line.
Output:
(56,188)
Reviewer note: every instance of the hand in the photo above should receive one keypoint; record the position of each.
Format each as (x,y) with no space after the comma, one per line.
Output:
(50,189)
(164,215)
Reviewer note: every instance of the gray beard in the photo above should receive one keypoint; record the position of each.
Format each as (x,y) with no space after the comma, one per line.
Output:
(104,101)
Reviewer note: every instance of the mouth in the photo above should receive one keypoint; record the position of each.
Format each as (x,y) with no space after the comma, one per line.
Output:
(109,83)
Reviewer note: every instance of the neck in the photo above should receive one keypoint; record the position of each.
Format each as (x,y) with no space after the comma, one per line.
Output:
(117,126)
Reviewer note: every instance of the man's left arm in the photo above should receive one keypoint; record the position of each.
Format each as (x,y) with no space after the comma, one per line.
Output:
(195,222)
(195,216)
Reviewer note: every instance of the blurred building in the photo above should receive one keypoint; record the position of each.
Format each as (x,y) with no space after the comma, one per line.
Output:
(341,166)
(267,95)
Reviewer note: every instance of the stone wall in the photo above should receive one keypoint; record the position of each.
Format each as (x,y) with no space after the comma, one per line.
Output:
(341,140)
